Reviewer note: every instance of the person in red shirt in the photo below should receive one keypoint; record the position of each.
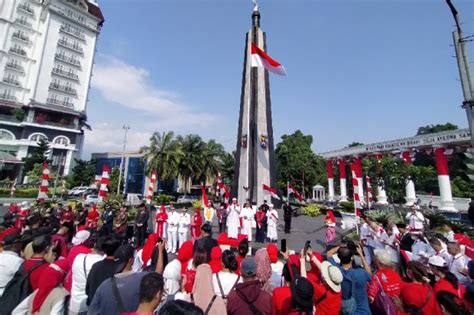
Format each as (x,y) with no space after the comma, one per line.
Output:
(387,277)
(196,223)
(446,280)
(82,245)
(161,218)
(418,294)
(92,218)
(281,297)
(330,222)
(42,245)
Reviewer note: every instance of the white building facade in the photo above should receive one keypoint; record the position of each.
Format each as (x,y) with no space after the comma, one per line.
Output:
(47,50)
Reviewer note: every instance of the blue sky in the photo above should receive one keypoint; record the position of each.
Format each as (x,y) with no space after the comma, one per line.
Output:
(358,70)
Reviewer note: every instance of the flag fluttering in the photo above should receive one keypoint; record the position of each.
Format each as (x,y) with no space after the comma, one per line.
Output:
(43,188)
(355,185)
(271,191)
(260,59)
(151,188)
(104,182)
(292,190)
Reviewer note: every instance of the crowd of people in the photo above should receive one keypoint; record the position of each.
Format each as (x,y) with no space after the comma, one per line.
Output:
(62,260)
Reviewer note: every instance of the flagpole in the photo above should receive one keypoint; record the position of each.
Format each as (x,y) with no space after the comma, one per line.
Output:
(288,191)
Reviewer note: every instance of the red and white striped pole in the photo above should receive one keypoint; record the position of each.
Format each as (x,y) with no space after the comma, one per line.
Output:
(355,186)
(357,162)
(104,181)
(151,188)
(342,179)
(410,185)
(444,183)
(43,188)
(369,191)
(330,180)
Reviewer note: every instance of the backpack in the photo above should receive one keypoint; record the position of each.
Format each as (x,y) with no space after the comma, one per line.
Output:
(383,304)
(17,290)
(349,306)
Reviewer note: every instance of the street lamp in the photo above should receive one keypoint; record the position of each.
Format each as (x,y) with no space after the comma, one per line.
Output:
(126,128)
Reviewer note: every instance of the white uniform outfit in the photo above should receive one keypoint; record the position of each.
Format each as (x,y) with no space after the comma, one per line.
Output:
(172,222)
(419,251)
(247,215)
(416,221)
(450,236)
(183,227)
(366,237)
(233,221)
(272,219)
(456,263)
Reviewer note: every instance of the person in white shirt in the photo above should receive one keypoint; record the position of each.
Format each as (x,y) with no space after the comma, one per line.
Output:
(438,248)
(416,220)
(224,281)
(449,233)
(247,215)
(233,221)
(272,219)
(81,267)
(172,230)
(366,239)
(458,263)
(209,213)
(419,248)
(184,222)
(10,260)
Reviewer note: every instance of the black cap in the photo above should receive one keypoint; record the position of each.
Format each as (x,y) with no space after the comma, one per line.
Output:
(122,255)
(11,239)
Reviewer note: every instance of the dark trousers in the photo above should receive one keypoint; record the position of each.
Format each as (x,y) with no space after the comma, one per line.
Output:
(222,225)
(260,235)
(140,233)
(287,225)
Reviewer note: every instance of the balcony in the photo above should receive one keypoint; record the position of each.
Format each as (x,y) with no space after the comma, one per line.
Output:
(71,46)
(26,8)
(19,36)
(53,101)
(65,74)
(24,23)
(12,82)
(18,51)
(7,97)
(73,32)
(63,88)
(68,60)
(15,67)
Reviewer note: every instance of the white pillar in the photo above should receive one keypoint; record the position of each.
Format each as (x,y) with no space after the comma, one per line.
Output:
(331,189)
(381,194)
(410,192)
(343,189)
(360,187)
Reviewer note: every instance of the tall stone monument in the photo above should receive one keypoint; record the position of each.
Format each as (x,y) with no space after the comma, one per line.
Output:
(255,159)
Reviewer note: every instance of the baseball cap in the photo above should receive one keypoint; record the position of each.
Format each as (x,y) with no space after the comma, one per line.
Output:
(437,261)
(122,255)
(248,267)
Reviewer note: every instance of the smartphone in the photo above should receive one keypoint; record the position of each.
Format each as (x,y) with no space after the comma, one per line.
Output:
(283,245)
(306,246)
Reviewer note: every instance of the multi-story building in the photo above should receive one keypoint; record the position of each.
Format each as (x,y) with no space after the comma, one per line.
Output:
(47,50)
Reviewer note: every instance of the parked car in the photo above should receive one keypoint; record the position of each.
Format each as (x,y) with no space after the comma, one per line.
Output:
(77,191)
(89,191)
(91,199)
(134,199)
(186,199)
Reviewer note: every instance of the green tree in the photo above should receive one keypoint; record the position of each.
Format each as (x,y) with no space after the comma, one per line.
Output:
(82,174)
(354,144)
(436,128)
(34,175)
(163,155)
(228,168)
(192,162)
(213,155)
(114,179)
(297,163)
(38,156)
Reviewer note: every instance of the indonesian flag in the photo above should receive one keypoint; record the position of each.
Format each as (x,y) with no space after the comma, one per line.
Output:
(151,187)
(226,194)
(104,181)
(261,59)
(355,185)
(43,188)
(272,191)
(292,190)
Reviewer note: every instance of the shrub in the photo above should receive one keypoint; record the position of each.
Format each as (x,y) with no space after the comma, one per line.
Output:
(20,193)
(163,199)
(197,204)
(347,206)
(312,210)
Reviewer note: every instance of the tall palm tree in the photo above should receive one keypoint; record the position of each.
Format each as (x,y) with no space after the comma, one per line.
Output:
(213,156)
(192,162)
(163,155)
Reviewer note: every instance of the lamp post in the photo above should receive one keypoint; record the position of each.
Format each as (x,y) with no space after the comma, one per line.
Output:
(126,128)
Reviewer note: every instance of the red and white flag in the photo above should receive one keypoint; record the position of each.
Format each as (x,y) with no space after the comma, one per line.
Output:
(355,186)
(43,188)
(272,191)
(104,181)
(151,188)
(292,190)
(261,59)
(369,191)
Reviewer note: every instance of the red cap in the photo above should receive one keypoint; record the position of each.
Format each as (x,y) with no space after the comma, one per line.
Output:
(272,251)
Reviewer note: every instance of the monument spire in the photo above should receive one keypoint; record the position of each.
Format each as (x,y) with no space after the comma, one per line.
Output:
(255,14)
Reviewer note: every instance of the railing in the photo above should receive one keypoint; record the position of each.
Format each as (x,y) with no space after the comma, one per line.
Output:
(12,81)
(53,101)
(57,124)
(69,60)
(63,88)
(69,30)
(71,46)
(8,97)
(26,8)
(70,75)
(24,23)
(15,66)
(21,37)
(18,51)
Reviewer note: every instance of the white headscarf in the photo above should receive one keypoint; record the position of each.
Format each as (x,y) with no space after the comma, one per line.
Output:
(172,276)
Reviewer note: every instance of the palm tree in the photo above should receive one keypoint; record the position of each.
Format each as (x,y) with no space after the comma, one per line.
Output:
(228,167)
(192,161)
(163,155)
(213,156)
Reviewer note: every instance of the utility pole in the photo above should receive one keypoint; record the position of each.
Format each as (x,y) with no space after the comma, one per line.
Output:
(126,128)
(464,68)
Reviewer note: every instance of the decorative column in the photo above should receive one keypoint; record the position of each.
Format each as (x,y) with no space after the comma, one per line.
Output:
(381,194)
(410,192)
(357,161)
(342,177)
(330,180)
(444,183)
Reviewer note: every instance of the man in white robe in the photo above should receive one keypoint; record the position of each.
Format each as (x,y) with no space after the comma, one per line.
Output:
(172,222)
(183,226)
(247,215)
(233,220)
(272,219)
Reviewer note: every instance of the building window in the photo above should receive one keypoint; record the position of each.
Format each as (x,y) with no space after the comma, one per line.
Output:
(6,135)
(37,137)
(62,140)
